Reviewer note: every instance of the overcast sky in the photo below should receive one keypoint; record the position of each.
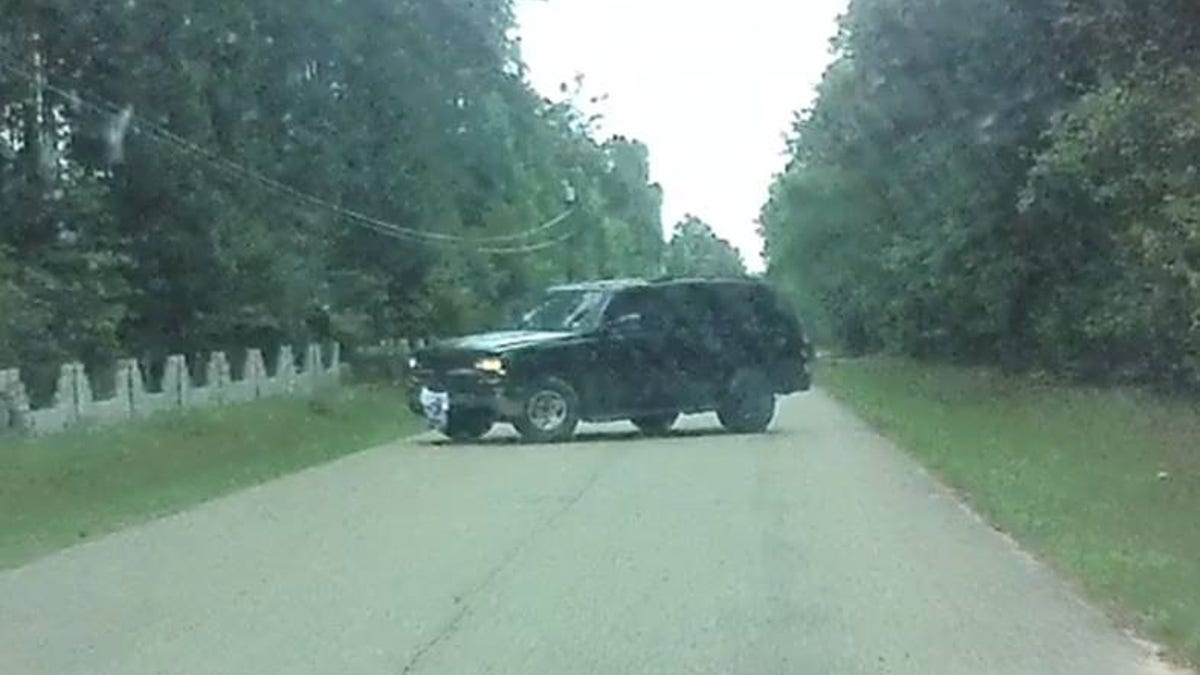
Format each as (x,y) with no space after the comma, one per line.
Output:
(710,85)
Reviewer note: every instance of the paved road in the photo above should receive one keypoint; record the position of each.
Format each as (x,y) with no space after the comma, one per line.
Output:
(816,549)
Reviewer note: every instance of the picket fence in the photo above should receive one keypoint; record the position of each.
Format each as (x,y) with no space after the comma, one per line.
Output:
(74,405)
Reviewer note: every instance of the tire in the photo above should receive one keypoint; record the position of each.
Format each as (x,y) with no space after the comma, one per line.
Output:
(549,412)
(468,425)
(749,403)
(655,425)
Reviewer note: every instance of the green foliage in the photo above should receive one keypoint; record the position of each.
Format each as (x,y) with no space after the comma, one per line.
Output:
(1118,198)
(973,184)
(695,250)
(414,112)
(841,230)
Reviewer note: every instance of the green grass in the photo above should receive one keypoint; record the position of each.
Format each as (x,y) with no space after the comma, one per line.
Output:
(63,489)
(1103,484)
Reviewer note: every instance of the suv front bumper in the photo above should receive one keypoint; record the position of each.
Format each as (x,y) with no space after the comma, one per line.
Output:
(467,390)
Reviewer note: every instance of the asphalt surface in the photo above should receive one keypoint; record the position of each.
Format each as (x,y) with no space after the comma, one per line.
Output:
(818,548)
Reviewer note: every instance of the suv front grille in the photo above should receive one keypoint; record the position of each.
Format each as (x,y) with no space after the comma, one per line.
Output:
(459,380)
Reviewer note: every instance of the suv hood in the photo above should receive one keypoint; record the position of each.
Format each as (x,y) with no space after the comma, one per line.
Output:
(495,343)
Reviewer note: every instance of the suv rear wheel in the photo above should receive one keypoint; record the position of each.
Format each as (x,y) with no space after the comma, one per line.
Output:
(550,412)
(749,403)
(655,425)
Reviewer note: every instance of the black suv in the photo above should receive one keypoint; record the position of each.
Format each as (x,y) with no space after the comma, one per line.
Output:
(619,350)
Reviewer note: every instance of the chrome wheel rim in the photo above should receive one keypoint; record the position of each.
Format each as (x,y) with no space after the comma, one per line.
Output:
(547,410)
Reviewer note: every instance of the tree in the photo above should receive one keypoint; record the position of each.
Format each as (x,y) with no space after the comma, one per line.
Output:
(695,250)
(1117,198)
(176,175)
(988,182)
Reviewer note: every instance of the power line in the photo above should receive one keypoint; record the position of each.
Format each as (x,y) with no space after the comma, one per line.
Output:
(548,225)
(532,248)
(237,170)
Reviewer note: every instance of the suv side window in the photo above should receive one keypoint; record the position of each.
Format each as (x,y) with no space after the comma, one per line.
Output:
(641,301)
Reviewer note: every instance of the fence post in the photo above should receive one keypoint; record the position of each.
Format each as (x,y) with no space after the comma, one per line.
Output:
(217,373)
(136,387)
(255,371)
(7,415)
(121,389)
(176,382)
(83,394)
(285,369)
(14,402)
(64,395)
(313,370)
(335,361)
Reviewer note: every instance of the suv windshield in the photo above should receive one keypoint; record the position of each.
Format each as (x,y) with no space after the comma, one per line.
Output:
(567,311)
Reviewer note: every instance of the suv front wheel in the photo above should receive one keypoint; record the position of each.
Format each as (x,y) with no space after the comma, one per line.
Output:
(749,403)
(549,412)
(468,425)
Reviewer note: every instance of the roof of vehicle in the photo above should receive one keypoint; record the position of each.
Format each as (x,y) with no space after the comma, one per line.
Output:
(621,284)
(601,285)
(706,281)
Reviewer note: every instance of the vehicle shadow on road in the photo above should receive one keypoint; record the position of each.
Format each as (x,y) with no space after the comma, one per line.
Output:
(588,437)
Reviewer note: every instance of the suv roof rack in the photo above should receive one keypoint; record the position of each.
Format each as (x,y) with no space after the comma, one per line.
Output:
(701,280)
(600,285)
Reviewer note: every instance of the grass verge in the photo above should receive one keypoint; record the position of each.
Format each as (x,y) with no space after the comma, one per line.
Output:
(1103,484)
(63,489)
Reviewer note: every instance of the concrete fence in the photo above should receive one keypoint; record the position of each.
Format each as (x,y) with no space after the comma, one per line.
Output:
(387,359)
(404,345)
(74,406)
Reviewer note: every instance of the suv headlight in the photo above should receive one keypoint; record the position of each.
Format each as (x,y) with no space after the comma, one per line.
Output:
(492,365)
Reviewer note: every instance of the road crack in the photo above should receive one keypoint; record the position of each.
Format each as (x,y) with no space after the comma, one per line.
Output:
(464,600)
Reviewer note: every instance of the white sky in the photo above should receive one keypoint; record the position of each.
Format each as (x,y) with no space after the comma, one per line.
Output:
(710,86)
